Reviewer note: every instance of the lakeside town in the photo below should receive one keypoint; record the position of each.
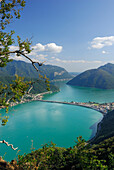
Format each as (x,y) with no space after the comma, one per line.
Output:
(101,107)
(104,108)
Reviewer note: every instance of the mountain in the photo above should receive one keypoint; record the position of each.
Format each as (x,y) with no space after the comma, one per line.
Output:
(102,78)
(38,87)
(105,128)
(74,73)
(24,69)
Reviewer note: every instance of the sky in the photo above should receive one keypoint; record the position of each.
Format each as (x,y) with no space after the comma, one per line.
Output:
(75,34)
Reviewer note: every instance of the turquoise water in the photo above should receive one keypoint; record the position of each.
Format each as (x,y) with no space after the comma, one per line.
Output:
(46,122)
(81,94)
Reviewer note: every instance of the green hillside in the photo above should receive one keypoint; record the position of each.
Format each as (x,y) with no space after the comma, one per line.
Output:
(105,128)
(81,156)
(38,87)
(24,69)
(109,68)
(102,78)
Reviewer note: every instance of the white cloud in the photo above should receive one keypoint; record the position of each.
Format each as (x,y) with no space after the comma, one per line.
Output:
(51,47)
(100,42)
(38,47)
(32,53)
(76,65)
(41,57)
(57,59)
(111,62)
(104,52)
(13,48)
(52,57)
(15,57)
(75,61)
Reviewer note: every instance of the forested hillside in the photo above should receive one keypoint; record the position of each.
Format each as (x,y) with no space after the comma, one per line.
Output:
(102,78)
(105,128)
(81,156)
(24,69)
(38,87)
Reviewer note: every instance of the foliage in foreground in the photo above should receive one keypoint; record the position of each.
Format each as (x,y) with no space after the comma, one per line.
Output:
(81,156)
(12,93)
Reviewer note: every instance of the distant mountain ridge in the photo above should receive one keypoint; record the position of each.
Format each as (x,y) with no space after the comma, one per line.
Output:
(24,69)
(102,78)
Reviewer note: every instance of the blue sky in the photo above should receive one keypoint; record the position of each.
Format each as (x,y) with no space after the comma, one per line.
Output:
(75,34)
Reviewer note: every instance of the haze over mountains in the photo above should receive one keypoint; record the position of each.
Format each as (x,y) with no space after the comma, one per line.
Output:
(102,77)
(24,69)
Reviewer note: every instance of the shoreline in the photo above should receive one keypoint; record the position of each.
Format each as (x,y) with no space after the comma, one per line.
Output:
(97,132)
(24,100)
(57,80)
(34,97)
(102,108)
(94,128)
(38,97)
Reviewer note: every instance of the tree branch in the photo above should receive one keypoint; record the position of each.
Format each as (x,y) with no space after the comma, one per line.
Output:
(7,102)
(8,144)
(22,53)
(30,89)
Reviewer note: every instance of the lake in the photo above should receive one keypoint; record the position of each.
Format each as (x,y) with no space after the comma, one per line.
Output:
(46,122)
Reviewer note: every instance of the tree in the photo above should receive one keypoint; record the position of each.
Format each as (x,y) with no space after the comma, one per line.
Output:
(9,10)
